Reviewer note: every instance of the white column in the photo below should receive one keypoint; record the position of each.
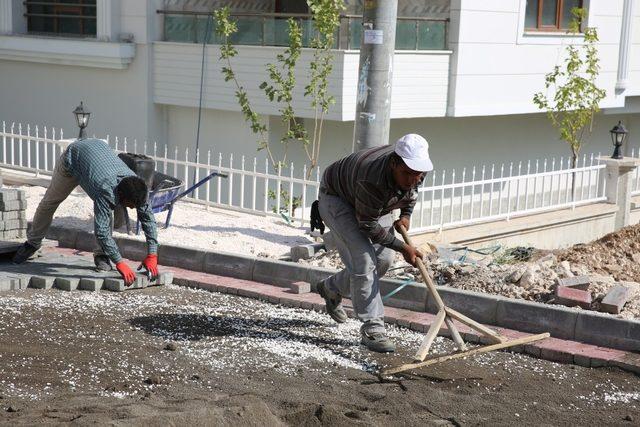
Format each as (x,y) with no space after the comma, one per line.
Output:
(625,45)
(618,177)
(104,20)
(6,16)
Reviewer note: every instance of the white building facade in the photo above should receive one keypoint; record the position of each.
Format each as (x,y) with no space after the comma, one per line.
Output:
(464,76)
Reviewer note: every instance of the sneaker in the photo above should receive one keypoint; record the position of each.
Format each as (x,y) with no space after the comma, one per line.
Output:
(378,342)
(26,251)
(334,305)
(102,263)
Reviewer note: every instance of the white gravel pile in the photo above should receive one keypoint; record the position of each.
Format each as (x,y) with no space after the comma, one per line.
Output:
(191,225)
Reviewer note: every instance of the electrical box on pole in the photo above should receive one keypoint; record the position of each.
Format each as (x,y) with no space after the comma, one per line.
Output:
(373,103)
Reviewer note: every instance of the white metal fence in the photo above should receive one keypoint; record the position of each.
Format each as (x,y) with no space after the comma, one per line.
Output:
(446,199)
(249,186)
(506,191)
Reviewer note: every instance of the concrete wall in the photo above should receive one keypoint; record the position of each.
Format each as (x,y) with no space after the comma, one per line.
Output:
(455,142)
(497,66)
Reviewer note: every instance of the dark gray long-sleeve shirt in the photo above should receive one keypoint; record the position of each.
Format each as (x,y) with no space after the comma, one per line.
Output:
(99,171)
(364,180)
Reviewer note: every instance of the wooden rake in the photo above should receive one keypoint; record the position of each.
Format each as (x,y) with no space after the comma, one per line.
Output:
(446,315)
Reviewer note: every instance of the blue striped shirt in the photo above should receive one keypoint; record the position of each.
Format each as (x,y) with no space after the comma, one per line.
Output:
(99,171)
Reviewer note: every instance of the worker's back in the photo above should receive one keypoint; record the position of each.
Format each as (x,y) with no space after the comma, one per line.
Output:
(96,167)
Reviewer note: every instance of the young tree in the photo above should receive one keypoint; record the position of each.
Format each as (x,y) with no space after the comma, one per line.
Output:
(576,97)
(282,80)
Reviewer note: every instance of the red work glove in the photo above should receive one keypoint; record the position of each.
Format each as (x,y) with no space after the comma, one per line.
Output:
(151,264)
(127,273)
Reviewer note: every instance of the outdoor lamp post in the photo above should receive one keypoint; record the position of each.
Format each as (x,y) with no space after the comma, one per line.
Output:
(618,134)
(82,118)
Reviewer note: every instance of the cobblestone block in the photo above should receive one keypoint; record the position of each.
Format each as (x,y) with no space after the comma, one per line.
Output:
(115,285)
(4,216)
(91,284)
(7,284)
(8,195)
(42,282)
(12,224)
(615,299)
(14,205)
(300,287)
(10,234)
(164,279)
(67,283)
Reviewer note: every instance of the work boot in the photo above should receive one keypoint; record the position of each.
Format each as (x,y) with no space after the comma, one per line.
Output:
(102,262)
(333,303)
(377,341)
(26,251)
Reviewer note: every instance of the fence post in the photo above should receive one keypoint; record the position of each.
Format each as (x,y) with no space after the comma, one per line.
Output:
(617,180)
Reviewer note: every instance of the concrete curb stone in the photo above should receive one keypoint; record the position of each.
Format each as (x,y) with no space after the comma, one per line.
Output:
(183,257)
(481,308)
(535,317)
(228,264)
(279,273)
(608,331)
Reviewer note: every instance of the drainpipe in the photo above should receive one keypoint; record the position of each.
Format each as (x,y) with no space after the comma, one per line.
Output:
(625,45)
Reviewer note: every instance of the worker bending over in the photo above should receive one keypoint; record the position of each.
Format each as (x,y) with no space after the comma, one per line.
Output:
(92,164)
(357,196)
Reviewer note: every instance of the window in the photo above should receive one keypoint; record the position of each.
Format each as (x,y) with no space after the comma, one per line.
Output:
(549,15)
(64,17)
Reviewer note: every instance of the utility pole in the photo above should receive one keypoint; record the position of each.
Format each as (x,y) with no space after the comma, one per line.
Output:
(373,103)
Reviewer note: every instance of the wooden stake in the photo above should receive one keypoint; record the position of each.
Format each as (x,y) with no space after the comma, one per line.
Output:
(477,350)
(431,335)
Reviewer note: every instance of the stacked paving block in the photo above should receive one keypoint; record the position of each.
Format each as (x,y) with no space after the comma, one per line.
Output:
(13,218)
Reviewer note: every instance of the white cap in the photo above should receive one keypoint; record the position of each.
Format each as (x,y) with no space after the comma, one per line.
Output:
(414,150)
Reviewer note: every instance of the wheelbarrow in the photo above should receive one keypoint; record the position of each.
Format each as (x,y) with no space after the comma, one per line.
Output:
(165,192)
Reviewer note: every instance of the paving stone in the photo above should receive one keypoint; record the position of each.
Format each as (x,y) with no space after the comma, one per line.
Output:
(571,297)
(8,195)
(11,224)
(91,284)
(305,251)
(7,284)
(4,216)
(13,205)
(165,278)
(115,285)
(42,282)
(615,299)
(67,283)
(300,287)
(9,234)
(577,282)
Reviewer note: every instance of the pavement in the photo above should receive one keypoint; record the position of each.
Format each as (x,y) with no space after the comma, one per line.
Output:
(63,261)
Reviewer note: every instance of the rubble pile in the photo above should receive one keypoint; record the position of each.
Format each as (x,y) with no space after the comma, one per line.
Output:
(580,276)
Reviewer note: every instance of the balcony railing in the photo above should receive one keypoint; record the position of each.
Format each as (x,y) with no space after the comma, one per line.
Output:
(271,29)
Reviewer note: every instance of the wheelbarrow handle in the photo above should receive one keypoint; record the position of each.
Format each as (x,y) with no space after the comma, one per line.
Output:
(198,184)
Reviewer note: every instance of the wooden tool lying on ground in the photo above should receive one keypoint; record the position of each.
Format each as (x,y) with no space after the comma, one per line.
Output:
(446,315)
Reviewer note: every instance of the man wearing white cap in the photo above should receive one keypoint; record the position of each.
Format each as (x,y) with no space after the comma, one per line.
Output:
(357,196)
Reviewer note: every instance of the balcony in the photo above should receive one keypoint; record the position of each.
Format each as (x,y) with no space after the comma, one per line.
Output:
(271,29)
(420,76)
